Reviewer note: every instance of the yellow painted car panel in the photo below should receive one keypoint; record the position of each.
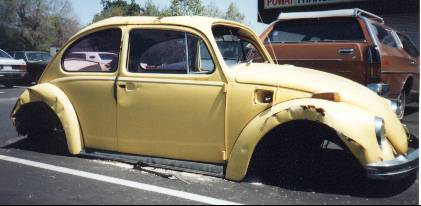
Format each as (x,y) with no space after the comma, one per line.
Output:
(359,135)
(57,100)
(93,100)
(314,81)
(149,125)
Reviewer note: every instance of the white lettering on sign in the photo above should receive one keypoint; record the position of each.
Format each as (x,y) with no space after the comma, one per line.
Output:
(272,4)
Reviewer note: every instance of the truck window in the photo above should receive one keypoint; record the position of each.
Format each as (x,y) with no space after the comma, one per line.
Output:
(384,36)
(317,30)
(408,46)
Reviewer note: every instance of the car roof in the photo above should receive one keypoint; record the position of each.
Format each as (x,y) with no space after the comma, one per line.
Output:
(331,13)
(197,22)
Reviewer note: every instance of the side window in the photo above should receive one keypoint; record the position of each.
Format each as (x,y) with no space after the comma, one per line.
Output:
(19,55)
(408,46)
(385,36)
(102,42)
(166,51)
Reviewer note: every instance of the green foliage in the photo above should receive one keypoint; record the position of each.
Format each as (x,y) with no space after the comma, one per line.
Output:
(35,24)
(117,8)
(186,8)
(177,8)
(234,14)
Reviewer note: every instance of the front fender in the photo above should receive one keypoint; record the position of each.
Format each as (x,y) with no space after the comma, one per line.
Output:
(57,100)
(355,127)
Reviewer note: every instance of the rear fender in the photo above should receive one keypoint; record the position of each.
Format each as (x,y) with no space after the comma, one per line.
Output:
(57,100)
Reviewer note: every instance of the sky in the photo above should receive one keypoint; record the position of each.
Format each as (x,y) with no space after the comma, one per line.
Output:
(86,9)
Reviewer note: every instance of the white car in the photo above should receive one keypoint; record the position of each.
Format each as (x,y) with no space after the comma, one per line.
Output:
(92,61)
(11,70)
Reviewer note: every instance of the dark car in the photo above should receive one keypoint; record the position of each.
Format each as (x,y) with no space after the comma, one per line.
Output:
(35,60)
(352,43)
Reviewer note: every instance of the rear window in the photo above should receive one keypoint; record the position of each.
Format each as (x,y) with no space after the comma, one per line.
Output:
(317,30)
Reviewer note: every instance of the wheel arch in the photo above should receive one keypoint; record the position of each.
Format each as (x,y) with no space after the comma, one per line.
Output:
(58,102)
(359,136)
(408,84)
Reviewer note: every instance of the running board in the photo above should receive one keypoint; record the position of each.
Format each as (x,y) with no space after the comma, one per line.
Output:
(143,161)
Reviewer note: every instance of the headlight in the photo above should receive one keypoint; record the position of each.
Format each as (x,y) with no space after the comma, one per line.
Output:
(380,131)
(380,88)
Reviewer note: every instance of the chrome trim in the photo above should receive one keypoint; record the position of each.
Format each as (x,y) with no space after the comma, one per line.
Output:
(394,106)
(380,131)
(400,167)
(346,51)
(380,88)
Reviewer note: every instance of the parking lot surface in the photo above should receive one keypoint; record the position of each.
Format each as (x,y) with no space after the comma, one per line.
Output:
(33,174)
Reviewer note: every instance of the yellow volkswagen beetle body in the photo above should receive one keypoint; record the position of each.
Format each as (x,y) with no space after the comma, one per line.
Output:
(204,90)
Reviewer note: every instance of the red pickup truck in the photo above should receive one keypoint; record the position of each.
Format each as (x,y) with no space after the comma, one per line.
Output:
(352,43)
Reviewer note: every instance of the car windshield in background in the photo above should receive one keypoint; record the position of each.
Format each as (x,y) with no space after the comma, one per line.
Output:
(236,48)
(317,30)
(4,55)
(38,56)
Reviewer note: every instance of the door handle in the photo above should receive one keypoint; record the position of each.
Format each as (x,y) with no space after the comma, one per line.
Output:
(122,85)
(413,61)
(127,86)
(347,51)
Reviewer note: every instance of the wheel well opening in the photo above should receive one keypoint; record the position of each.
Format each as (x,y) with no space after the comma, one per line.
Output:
(408,85)
(36,117)
(299,130)
(292,149)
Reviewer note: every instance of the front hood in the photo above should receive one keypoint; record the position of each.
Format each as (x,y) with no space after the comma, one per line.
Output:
(8,61)
(314,81)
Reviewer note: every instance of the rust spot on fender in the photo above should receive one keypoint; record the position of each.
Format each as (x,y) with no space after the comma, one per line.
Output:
(312,107)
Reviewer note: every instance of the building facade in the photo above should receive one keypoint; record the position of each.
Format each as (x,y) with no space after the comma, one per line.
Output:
(402,15)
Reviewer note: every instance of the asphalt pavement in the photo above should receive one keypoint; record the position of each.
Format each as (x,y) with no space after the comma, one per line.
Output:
(30,174)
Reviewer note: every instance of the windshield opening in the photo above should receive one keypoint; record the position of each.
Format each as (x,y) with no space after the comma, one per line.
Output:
(4,55)
(38,56)
(235,46)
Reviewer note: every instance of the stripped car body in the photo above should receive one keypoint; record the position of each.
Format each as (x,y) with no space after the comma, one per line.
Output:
(216,115)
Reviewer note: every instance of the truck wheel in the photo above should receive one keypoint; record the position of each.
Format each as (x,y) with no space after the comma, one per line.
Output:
(401,101)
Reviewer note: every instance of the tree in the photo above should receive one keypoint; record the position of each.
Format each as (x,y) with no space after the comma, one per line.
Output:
(186,8)
(234,14)
(177,8)
(212,10)
(35,24)
(151,9)
(117,8)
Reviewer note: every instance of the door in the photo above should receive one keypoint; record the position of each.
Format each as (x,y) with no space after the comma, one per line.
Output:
(171,101)
(90,88)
